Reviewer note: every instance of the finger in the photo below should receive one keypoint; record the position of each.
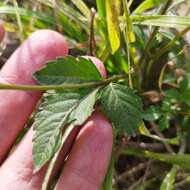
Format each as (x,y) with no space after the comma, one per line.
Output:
(87,164)
(16,106)
(17,171)
(2,30)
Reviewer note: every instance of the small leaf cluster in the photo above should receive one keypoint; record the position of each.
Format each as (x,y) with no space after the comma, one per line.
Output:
(175,104)
(59,109)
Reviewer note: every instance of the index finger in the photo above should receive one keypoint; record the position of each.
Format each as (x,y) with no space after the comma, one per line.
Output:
(16,106)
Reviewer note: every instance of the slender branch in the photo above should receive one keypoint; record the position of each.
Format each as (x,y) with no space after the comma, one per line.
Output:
(147,170)
(182,182)
(107,185)
(135,184)
(183,143)
(147,133)
(163,11)
(129,173)
(92,37)
(147,146)
(156,130)
(19,20)
(170,44)
(127,32)
(130,3)
(61,87)
(152,36)
(183,113)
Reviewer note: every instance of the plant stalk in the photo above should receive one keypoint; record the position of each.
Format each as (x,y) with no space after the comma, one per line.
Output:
(148,45)
(19,22)
(144,62)
(128,32)
(92,40)
(109,176)
(55,157)
(170,44)
(61,87)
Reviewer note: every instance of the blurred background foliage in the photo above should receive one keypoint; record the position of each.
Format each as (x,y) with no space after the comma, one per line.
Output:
(149,42)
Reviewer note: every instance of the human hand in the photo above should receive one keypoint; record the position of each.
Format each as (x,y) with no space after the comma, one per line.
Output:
(87,163)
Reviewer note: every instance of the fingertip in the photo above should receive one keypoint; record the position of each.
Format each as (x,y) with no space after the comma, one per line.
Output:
(40,47)
(99,64)
(46,44)
(49,40)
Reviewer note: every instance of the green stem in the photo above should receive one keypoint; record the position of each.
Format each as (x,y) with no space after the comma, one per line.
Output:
(128,36)
(18,18)
(130,3)
(61,87)
(181,160)
(149,43)
(109,176)
(170,44)
(54,159)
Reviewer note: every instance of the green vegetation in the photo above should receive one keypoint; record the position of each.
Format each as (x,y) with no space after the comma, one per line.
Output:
(146,95)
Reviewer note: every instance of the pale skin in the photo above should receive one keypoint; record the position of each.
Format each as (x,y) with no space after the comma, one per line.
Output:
(89,157)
